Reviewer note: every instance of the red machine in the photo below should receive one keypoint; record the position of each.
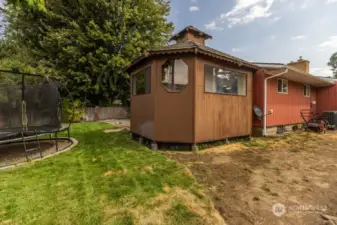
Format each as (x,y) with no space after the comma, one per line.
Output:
(314,121)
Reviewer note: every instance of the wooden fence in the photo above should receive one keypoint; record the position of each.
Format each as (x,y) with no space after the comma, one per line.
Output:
(106,113)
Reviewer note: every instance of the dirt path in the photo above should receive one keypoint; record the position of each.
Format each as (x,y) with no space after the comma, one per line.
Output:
(245,180)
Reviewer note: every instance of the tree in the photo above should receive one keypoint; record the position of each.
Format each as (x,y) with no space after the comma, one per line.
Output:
(29,4)
(333,64)
(91,42)
(14,55)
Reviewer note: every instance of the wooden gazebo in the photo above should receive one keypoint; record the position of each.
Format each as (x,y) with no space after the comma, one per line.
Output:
(190,93)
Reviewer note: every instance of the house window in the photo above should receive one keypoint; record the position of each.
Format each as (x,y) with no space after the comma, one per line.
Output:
(306,90)
(141,82)
(175,75)
(223,81)
(282,86)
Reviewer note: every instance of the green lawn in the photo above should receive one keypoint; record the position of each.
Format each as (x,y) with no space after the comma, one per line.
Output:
(105,179)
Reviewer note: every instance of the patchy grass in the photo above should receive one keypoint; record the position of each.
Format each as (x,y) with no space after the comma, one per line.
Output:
(245,179)
(105,179)
(222,142)
(180,215)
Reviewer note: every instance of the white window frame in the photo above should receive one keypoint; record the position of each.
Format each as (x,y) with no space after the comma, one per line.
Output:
(284,82)
(175,74)
(241,77)
(307,88)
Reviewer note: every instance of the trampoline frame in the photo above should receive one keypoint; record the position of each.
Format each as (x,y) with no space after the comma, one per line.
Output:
(33,135)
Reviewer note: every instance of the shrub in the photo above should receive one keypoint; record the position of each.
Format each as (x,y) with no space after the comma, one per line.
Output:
(67,110)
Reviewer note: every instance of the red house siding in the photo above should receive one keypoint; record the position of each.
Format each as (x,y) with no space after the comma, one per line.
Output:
(286,107)
(258,82)
(327,99)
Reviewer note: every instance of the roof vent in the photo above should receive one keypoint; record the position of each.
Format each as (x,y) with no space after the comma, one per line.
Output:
(191,33)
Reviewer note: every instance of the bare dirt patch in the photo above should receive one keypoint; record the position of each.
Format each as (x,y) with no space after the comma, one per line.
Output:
(11,154)
(245,180)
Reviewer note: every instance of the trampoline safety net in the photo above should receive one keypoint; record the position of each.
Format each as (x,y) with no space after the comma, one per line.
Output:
(29,105)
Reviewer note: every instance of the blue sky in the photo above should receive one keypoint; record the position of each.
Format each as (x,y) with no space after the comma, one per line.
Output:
(265,30)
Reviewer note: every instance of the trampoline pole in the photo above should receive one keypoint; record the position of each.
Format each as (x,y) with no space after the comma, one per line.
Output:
(38,143)
(24,145)
(57,146)
(23,87)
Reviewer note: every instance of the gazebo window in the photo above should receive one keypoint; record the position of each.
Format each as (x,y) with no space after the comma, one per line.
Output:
(175,75)
(225,81)
(141,82)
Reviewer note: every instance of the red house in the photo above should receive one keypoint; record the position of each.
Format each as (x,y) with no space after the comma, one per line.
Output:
(282,91)
(327,97)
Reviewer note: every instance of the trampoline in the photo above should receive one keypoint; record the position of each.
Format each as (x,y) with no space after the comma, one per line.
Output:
(31,109)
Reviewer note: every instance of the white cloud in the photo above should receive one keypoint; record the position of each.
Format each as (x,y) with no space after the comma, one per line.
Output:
(305,4)
(324,72)
(194,8)
(194,1)
(236,50)
(275,19)
(330,43)
(272,37)
(300,49)
(299,37)
(212,26)
(291,6)
(330,1)
(246,11)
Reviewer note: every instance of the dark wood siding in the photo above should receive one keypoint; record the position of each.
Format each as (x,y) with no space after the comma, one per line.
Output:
(220,116)
(174,111)
(142,106)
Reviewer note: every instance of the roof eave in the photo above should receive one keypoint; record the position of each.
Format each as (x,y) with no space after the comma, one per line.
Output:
(237,62)
(316,81)
(195,50)
(301,77)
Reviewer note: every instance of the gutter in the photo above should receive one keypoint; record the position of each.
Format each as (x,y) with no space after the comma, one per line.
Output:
(312,76)
(265,99)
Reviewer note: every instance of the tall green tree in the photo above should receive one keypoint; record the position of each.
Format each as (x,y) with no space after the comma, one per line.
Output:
(91,42)
(333,64)
(14,55)
(38,4)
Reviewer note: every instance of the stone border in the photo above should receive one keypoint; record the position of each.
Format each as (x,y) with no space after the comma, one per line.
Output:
(74,143)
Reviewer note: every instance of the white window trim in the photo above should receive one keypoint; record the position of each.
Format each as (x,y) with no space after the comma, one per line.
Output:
(282,92)
(309,90)
(243,93)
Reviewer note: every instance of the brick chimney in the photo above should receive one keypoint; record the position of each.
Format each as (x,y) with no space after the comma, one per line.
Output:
(301,64)
(191,33)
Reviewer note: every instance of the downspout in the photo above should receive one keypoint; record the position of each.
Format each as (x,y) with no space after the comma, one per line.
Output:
(265,99)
